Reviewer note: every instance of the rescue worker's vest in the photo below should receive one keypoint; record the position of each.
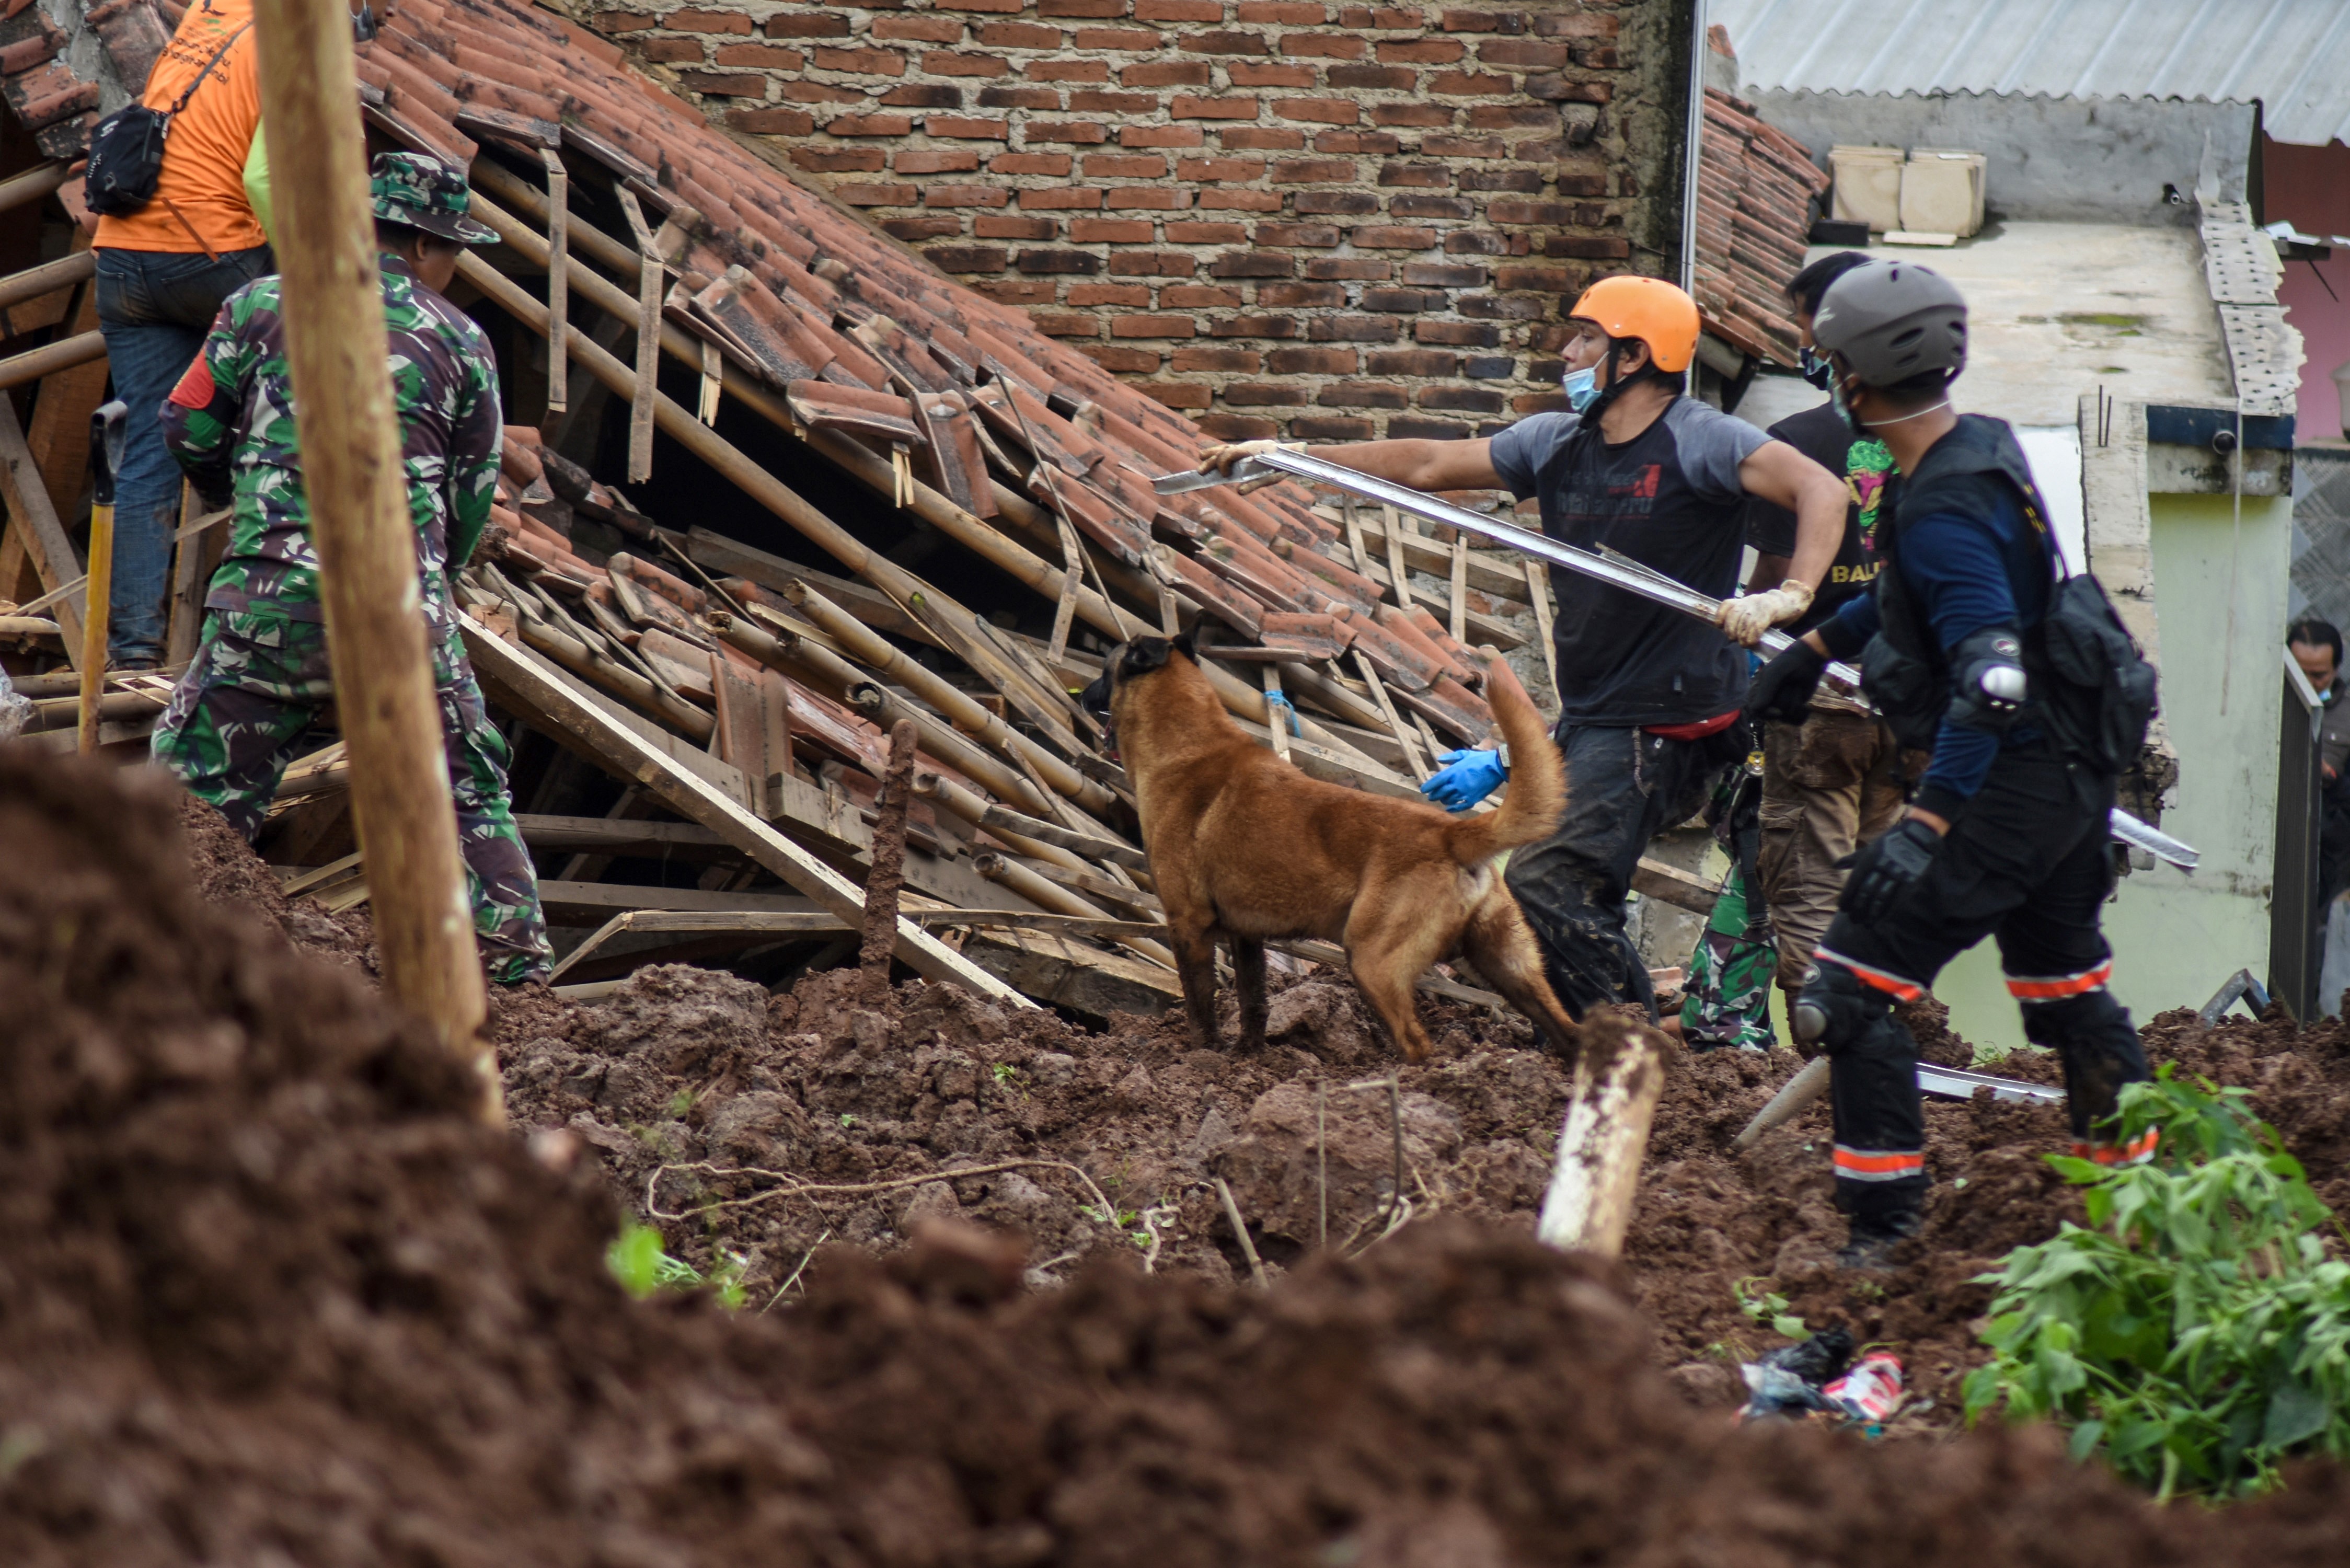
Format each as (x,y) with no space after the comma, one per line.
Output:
(2087,685)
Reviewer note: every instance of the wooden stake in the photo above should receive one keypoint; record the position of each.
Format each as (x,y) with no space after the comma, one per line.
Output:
(1592,1188)
(882,882)
(337,354)
(1459,627)
(1538,594)
(1407,739)
(649,325)
(1277,713)
(1393,525)
(558,288)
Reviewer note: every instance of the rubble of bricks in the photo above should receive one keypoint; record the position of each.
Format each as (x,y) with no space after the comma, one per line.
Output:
(1281,217)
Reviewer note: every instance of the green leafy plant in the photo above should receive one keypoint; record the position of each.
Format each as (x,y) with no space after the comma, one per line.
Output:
(642,1264)
(1767,1307)
(1005,1073)
(2197,1332)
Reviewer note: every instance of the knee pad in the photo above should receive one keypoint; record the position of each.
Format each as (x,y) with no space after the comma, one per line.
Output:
(1837,1011)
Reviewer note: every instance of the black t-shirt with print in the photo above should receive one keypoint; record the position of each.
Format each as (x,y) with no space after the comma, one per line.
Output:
(1669,498)
(1821,435)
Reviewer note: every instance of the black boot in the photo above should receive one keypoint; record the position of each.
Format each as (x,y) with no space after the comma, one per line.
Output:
(1870,1249)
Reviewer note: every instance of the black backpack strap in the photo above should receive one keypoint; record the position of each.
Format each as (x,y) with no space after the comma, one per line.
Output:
(218,55)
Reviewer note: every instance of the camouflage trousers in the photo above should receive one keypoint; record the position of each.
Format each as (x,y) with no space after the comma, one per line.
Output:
(259,681)
(1729,992)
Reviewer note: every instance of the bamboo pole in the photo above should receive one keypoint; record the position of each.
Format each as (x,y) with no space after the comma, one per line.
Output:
(337,352)
(47,278)
(1053,897)
(33,184)
(884,659)
(50,357)
(1597,1180)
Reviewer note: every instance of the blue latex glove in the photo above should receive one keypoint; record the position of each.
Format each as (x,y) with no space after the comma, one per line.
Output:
(1467,778)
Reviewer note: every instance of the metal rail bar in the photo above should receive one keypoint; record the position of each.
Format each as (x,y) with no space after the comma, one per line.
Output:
(1610,568)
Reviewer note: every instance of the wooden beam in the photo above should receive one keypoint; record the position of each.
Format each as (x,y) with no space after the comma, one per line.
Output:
(1083,979)
(47,278)
(551,691)
(1669,885)
(33,184)
(49,358)
(34,522)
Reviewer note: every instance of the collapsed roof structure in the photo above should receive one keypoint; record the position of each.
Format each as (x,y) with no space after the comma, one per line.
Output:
(791,487)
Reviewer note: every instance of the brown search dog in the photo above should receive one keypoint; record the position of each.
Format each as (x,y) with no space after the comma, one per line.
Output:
(1245,846)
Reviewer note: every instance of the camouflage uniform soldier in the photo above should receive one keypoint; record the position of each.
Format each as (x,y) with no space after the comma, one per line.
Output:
(261,675)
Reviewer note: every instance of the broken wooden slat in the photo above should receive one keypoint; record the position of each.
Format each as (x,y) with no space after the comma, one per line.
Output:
(551,694)
(35,522)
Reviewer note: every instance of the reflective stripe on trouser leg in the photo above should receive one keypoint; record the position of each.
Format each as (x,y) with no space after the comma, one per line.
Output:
(2075,1016)
(1880,1125)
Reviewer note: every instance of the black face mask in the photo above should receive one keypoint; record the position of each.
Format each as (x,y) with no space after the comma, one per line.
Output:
(1814,366)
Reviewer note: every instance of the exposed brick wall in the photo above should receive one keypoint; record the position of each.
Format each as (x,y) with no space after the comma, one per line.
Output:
(1324,220)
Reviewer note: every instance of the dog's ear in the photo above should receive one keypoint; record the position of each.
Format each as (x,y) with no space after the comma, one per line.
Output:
(1183,645)
(1142,656)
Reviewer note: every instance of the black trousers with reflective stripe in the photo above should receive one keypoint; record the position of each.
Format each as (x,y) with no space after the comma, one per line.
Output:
(2028,864)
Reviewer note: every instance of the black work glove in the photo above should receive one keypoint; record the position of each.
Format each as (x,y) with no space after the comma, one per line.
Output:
(1887,868)
(1782,689)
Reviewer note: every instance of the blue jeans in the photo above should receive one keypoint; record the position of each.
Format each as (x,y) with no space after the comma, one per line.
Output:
(155,307)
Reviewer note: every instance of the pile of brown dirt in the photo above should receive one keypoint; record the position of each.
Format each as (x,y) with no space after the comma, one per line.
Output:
(686,1074)
(270,1294)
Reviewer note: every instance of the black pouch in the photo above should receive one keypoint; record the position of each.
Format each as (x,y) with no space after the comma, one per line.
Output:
(2104,695)
(1910,694)
(126,150)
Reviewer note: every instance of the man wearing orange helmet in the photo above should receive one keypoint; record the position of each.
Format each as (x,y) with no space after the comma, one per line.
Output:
(1648,698)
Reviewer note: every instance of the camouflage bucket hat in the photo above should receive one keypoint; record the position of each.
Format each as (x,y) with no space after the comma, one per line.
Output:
(425,194)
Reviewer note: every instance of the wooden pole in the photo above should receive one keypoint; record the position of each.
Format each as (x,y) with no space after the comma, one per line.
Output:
(338,353)
(106,434)
(888,869)
(558,288)
(1592,1188)
(1793,1094)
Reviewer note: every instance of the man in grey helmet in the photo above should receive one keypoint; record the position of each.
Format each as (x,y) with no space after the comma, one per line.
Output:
(2006,836)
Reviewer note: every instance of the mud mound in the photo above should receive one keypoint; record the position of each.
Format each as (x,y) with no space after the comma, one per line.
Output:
(685,1079)
(271,1295)
(865,1123)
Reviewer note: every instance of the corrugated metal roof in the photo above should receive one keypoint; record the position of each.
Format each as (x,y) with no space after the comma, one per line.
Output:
(2290,55)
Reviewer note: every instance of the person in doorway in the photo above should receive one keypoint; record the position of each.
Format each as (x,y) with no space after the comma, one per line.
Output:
(163,272)
(1648,696)
(2317,646)
(261,675)
(2008,835)
(1833,782)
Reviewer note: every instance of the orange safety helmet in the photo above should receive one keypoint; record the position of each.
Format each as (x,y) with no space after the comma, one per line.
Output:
(1649,309)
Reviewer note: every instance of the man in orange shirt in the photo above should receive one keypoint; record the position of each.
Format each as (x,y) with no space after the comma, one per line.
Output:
(163,272)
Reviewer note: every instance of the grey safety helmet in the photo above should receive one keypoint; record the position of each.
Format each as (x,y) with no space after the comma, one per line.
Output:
(1891,320)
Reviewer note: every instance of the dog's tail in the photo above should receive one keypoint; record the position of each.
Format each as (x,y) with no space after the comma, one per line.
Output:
(1535,797)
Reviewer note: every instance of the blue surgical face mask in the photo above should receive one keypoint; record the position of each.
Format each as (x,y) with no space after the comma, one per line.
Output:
(1582,388)
(1814,366)
(1843,409)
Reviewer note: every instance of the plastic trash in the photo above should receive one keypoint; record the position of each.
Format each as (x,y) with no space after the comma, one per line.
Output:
(1818,1380)
(1871,1391)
